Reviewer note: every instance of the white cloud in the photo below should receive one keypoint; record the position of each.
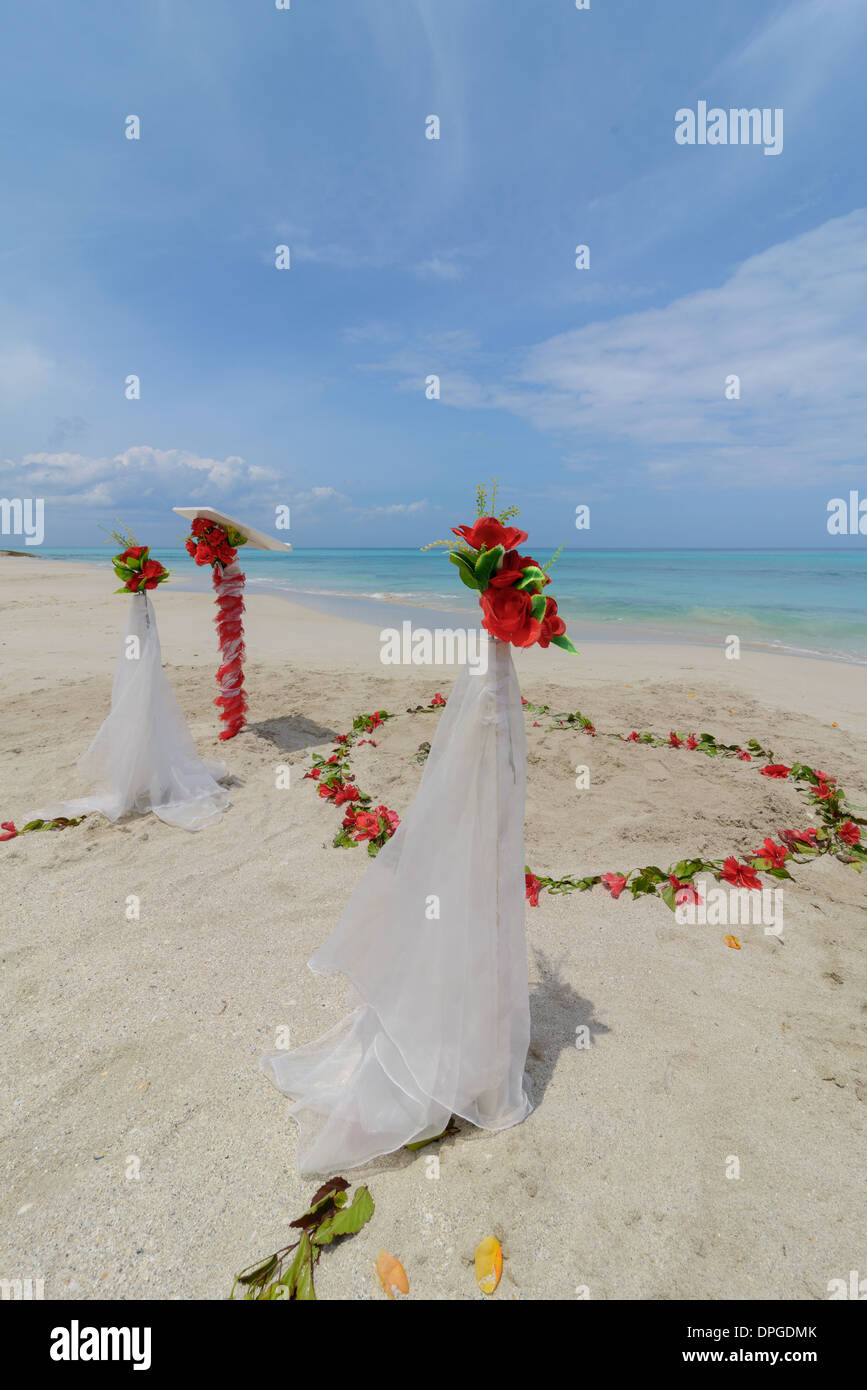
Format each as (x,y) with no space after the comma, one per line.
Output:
(140,475)
(441,268)
(318,496)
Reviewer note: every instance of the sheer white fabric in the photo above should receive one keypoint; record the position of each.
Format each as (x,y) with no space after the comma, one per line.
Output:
(143,758)
(433,942)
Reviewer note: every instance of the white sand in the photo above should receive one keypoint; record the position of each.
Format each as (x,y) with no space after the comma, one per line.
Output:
(140,1039)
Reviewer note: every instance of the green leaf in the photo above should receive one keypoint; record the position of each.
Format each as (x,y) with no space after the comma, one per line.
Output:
(565,643)
(346,1221)
(538,605)
(485,565)
(299,1276)
(531,577)
(465,569)
(668,896)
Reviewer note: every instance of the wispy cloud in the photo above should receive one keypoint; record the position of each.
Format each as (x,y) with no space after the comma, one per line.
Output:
(651,385)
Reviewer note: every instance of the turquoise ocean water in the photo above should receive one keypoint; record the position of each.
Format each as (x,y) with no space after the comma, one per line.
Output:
(810,602)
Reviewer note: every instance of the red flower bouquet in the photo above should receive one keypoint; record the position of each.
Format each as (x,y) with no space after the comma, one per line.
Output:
(137,570)
(510,585)
(210,544)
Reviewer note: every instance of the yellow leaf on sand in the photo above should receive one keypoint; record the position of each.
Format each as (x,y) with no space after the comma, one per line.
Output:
(489,1264)
(392,1275)
(733,942)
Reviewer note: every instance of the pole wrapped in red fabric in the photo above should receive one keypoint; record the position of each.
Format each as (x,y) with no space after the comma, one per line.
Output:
(231,701)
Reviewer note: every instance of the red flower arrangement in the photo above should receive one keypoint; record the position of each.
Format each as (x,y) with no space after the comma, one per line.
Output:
(210,544)
(217,546)
(514,608)
(137,570)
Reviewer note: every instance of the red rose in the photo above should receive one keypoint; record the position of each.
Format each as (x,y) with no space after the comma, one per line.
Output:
(201,525)
(512,567)
(508,615)
(552,624)
(204,554)
(191,548)
(134,552)
(132,584)
(488,533)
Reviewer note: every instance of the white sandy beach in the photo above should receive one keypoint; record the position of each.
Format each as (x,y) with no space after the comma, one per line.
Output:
(140,1039)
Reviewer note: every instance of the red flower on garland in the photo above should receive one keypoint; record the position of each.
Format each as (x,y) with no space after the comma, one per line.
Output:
(437,700)
(692,741)
(633,737)
(532,888)
(685,893)
(744,757)
(776,770)
(348,792)
(825,791)
(508,615)
(849,832)
(391,818)
(776,855)
(615,883)
(488,532)
(741,875)
(674,741)
(793,838)
(9,831)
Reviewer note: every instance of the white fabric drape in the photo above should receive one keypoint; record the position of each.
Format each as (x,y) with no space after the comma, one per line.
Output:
(433,942)
(143,757)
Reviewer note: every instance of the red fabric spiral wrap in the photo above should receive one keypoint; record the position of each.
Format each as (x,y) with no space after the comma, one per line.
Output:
(231,701)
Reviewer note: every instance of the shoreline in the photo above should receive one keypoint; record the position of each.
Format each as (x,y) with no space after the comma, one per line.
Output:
(385,611)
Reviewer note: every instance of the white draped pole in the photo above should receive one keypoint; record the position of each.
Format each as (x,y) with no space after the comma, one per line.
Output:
(143,757)
(442,1025)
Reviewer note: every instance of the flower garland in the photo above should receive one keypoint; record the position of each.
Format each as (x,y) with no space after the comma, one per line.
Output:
(840,833)
(210,544)
(514,608)
(58,823)
(337,785)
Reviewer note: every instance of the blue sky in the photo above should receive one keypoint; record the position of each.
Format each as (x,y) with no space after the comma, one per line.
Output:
(412,257)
